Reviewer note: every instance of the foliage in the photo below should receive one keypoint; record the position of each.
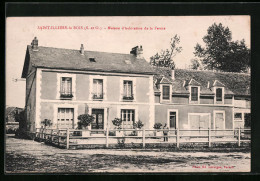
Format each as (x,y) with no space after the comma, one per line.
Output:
(20,117)
(46,122)
(138,124)
(121,142)
(85,120)
(195,64)
(117,122)
(165,58)
(221,53)
(157,126)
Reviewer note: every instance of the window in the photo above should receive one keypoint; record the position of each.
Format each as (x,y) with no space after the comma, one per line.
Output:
(238,116)
(128,117)
(65,118)
(166,92)
(66,87)
(128,90)
(97,89)
(219,94)
(194,94)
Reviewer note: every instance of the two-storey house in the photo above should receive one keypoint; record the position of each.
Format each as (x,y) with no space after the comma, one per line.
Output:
(62,84)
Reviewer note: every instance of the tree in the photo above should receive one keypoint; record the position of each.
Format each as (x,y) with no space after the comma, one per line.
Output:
(165,58)
(221,53)
(195,64)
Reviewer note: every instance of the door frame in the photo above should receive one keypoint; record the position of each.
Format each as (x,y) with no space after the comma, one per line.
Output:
(177,117)
(203,114)
(214,118)
(105,113)
(97,117)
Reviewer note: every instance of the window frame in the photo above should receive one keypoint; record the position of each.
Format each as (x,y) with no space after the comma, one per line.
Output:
(170,93)
(215,97)
(73,85)
(91,87)
(198,96)
(95,93)
(121,92)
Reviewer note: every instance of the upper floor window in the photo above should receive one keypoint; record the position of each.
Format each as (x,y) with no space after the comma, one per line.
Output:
(128,90)
(66,87)
(219,94)
(194,93)
(98,89)
(166,92)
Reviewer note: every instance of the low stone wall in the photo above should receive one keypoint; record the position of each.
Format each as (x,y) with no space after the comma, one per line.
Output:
(11,127)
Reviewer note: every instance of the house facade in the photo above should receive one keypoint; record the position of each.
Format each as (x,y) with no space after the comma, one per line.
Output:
(62,84)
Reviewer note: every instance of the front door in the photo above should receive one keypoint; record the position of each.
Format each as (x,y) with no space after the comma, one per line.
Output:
(172,120)
(98,122)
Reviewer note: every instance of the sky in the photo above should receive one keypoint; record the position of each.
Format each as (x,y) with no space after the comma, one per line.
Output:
(153,33)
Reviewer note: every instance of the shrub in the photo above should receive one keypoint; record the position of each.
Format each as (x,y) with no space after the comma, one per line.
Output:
(157,126)
(117,122)
(85,120)
(46,122)
(138,124)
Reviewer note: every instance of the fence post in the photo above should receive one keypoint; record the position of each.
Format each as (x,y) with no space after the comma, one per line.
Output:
(209,139)
(107,132)
(177,138)
(239,131)
(51,135)
(58,137)
(143,138)
(68,138)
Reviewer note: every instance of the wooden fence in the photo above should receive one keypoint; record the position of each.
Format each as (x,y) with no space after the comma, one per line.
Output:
(66,137)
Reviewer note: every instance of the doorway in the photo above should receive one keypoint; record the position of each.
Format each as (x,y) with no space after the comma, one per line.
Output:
(98,122)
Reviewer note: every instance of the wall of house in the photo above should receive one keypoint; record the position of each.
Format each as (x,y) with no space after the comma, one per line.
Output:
(180,99)
(48,110)
(206,100)
(30,101)
(161,113)
(49,87)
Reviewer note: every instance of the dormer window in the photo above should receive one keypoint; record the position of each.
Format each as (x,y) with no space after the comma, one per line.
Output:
(194,93)
(219,94)
(166,92)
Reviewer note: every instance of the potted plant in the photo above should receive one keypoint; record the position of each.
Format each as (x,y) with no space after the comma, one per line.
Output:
(138,125)
(157,126)
(84,122)
(118,122)
(46,123)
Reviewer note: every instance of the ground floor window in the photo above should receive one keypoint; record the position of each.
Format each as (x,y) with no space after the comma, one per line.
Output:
(242,120)
(128,117)
(65,118)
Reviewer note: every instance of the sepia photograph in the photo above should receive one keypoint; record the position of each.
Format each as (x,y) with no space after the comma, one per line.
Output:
(128,94)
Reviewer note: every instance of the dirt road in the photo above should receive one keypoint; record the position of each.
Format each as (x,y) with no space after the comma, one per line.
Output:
(27,156)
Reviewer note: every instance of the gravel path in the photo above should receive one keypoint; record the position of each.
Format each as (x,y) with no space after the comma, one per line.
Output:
(27,156)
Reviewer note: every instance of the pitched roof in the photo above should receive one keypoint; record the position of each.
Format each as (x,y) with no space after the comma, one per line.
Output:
(58,58)
(234,83)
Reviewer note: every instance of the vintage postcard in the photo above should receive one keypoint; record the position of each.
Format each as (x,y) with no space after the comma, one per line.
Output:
(123,94)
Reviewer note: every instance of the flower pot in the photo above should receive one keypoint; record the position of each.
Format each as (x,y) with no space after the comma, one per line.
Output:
(119,133)
(139,132)
(85,133)
(158,133)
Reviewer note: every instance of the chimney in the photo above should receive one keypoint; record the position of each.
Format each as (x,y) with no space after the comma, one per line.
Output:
(35,44)
(137,51)
(82,49)
(173,74)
